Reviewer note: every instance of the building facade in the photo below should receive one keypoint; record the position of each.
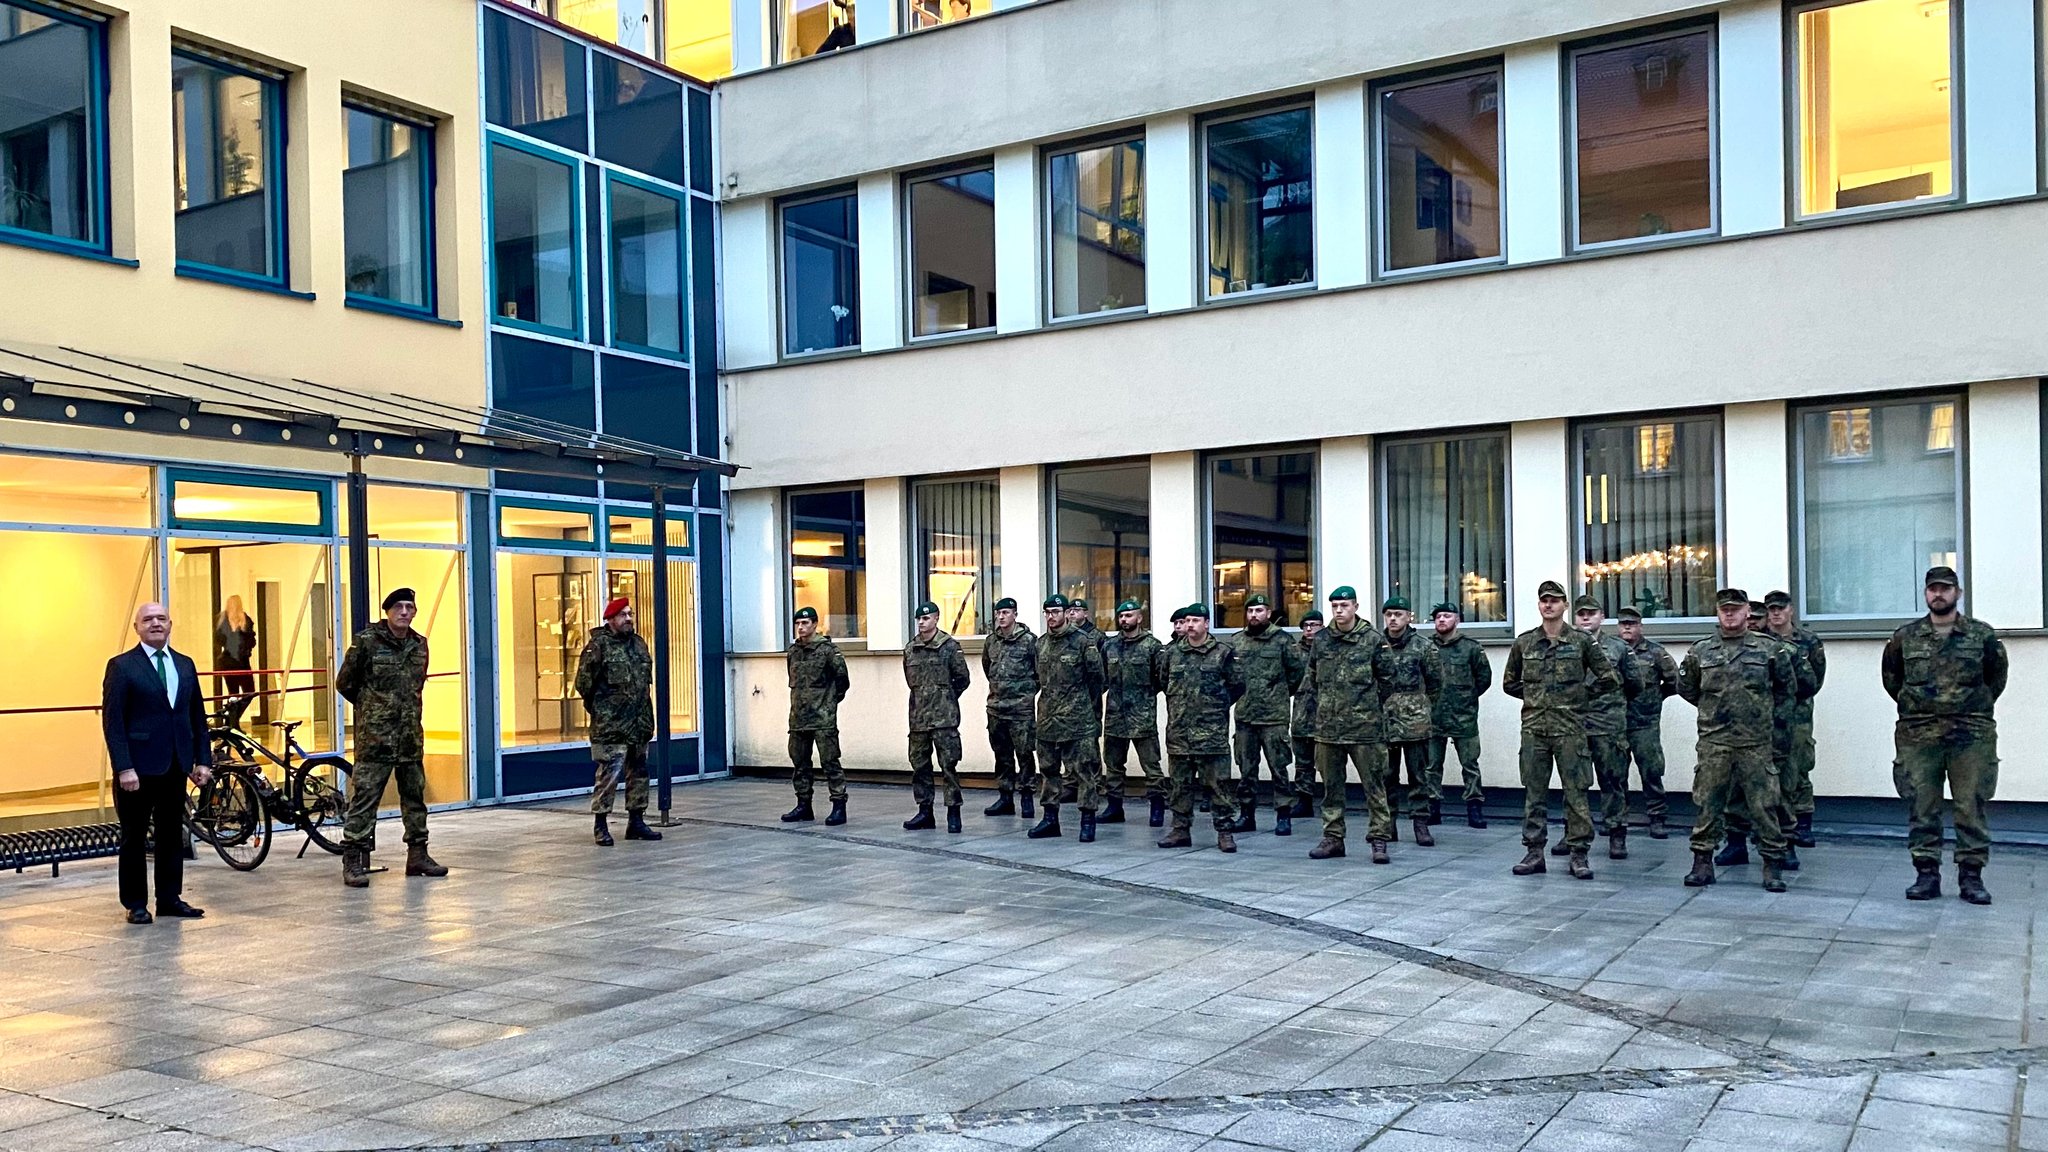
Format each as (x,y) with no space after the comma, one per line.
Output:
(1198,300)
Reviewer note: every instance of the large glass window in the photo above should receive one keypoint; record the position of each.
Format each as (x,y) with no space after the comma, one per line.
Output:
(1098,228)
(52,124)
(1102,529)
(953,252)
(1262,534)
(699,37)
(828,570)
(227,141)
(437,578)
(646,268)
(533,239)
(547,605)
(957,528)
(283,592)
(49,490)
(1446,523)
(821,274)
(633,578)
(1261,202)
(932,13)
(1880,502)
(1876,103)
(1649,496)
(533,81)
(808,27)
(1440,171)
(639,117)
(387,208)
(1643,134)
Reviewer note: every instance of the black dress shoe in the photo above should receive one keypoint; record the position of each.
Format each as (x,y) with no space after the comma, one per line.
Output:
(180,911)
(140,916)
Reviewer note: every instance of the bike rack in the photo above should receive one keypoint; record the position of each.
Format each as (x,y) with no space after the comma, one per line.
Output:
(54,846)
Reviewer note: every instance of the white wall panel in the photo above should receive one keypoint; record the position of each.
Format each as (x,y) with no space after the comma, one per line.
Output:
(881,264)
(2000,115)
(756,551)
(889,588)
(1020,501)
(1171,194)
(1019,246)
(1342,217)
(750,300)
(1532,109)
(1344,520)
(1756,486)
(2004,456)
(1178,525)
(1539,492)
(1751,95)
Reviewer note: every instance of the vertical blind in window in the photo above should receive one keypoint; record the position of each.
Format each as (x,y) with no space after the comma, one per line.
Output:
(1649,515)
(1447,524)
(958,550)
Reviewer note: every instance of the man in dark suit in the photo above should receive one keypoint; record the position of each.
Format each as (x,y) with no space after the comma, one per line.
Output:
(155,724)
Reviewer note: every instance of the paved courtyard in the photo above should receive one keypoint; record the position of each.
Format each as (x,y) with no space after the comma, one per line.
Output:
(745,984)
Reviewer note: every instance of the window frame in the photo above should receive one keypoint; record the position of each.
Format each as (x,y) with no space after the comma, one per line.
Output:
(1375,158)
(685,326)
(1052,519)
(579,271)
(426,131)
(277,145)
(920,581)
(1575,446)
(1503,628)
(1316,575)
(1047,226)
(172,523)
(1795,172)
(782,206)
(1709,24)
(612,510)
(1202,221)
(909,225)
(858,565)
(592,508)
(99,93)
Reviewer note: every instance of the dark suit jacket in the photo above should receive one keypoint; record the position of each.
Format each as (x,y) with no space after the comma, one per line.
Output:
(144,733)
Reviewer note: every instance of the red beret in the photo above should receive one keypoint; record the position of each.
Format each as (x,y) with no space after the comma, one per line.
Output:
(616,606)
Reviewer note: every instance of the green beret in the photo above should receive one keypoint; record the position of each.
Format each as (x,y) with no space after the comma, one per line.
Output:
(1179,614)
(1343,592)
(1396,604)
(1315,614)
(807,613)
(1548,589)
(1258,600)
(1941,574)
(1006,602)
(1588,604)
(1629,615)
(1727,596)
(1197,611)
(1077,602)
(1778,599)
(1129,606)
(926,609)
(1055,601)
(1447,606)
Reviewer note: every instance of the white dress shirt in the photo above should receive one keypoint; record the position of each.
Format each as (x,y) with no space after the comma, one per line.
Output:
(170,670)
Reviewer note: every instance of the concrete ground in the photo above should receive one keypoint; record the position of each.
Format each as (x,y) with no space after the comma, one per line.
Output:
(745,983)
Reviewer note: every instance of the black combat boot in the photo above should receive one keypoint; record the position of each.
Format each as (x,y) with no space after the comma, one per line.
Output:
(1657,829)
(1970,884)
(1791,861)
(1328,848)
(1068,794)
(1774,875)
(837,816)
(1047,827)
(1225,842)
(921,821)
(1087,826)
(1702,873)
(1617,844)
(1423,838)
(1024,804)
(355,867)
(1379,852)
(1177,837)
(1532,862)
(1304,807)
(1158,817)
(1736,852)
(1475,814)
(418,863)
(1802,831)
(952,818)
(1283,821)
(1247,817)
(801,812)
(1005,805)
(1927,884)
(1436,811)
(637,829)
(1112,810)
(602,833)
(1580,870)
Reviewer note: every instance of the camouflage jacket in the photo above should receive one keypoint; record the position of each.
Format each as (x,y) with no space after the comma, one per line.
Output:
(1816,655)
(1656,682)
(1606,714)
(1786,712)
(1946,689)
(937,675)
(383,676)
(817,683)
(1554,679)
(1202,682)
(1304,726)
(1408,705)
(1009,665)
(1467,675)
(1131,676)
(615,678)
(1272,665)
(1069,686)
(1348,672)
(1738,683)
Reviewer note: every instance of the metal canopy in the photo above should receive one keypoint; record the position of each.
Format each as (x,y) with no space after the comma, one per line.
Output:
(62,385)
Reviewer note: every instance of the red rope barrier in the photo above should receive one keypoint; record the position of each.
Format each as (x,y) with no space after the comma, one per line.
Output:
(318,687)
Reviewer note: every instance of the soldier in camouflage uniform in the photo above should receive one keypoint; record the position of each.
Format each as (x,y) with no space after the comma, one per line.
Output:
(1303,725)
(615,678)
(1554,669)
(1408,708)
(1738,680)
(1349,672)
(1179,620)
(1272,666)
(1467,675)
(1009,666)
(1069,718)
(1946,671)
(1797,784)
(1606,719)
(1739,830)
(1130,707)
(1202,680)
(817,683)
(1082,621)
(1656,682)
(383,677)
(937,674)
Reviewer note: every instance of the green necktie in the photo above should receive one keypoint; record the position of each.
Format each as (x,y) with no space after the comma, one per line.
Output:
(163,672)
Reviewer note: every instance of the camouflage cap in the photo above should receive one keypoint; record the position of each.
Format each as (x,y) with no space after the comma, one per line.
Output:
(1315,614)
(1129,606)
(1343,592)
(1588,604)
(1727,596)
(1446,606)
(1009,602)
(1629,615)
(1778,599)
(1197,611)
(807,613)
(1055,601)
(1258,600)
(1396,604)
(1756,608)
(926,609)
(1549,589)
(1941,574)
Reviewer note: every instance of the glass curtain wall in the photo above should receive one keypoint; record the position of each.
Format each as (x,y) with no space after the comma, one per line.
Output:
(1446,523)
(1649,533)
(1880,486)
(1103,537)
(1262,534)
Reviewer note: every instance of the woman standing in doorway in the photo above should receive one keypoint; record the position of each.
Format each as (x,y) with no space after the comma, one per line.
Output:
(234,650)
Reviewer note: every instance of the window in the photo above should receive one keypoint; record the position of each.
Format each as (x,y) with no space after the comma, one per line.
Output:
(1880,502)
(533,81)
(438,577)
(809,27)
(1649,531)
(646,400)
(1445,508)
(953,252)
(699,37)
(1262,534)
(828,570)
(548,524)
(227,140)
(409,515)
(1876,103)
(387,208)
(533,239)
(646,268)
(1643,137)
(75,493)
(1098,228)
(547,605)
(1103,536)
(639,118)
(543,379)
(1440,171)
(1261,202)
(958,550)
(821,274)
(294,507)
(932,13)
(52,125)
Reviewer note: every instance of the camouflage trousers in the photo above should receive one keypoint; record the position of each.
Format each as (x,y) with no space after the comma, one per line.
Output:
(1414,754)
(1725,777)
(1798,782)
(1014,741)
(1249,742)
(366,783)
(1206,773)
(1567,755)
(1468,764)
(945,744)
(1609,754)
(1971,773)
(801,777)
(1088,759)
(1305,768)
(1369,761)
(1738,823)
(1058,756)
(1116,758)
(1646,748)
(616,763)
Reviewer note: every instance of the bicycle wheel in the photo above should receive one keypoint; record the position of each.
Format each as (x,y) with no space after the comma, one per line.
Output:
(232,817)
(320,792)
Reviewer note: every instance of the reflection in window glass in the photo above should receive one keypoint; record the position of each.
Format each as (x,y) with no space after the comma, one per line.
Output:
(1649,515)
(50,179)
(634,579)
(953,253)
(1876,106)
(225,136)
(956,526)
(636,529)
(828,559)
(932,13)
(387,208)
(820,275)
(1440,171)
(597,18)
(547,606)
(1878,504)
(699,35)
(1103,535)
(533,81)
(1261,202)
(544,379)
(648,401)
(1447,524)
(1644,133)
(44,490)
(809,27)
(195,500)
(436,577)
(639,118)
(533,238)
(647,269)
(1098,228)
(1262,534)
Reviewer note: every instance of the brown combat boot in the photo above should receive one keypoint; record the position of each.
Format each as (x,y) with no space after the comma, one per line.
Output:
(1423,837)
(355,867)
(1580,870)
(1225,842)
(1379,852)
(1328,848)
(1617,844)
(1532,863)
(1177,837)
(1702,873)
(418,863)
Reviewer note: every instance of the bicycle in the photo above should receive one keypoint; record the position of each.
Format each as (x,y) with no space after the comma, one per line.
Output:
(235,810)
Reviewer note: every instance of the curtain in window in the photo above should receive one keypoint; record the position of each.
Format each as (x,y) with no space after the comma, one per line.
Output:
(1447,525)
(1878,504)
(959,550)
(1649,515)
